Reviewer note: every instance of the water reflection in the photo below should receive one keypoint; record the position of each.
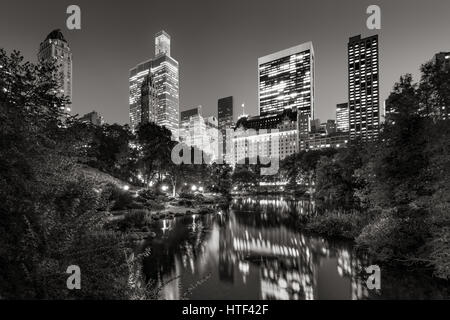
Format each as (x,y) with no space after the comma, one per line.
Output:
(253,251)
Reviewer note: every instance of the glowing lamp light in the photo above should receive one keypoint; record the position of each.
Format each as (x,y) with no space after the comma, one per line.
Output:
(164,188)
(200,189)
(126,188)
(194,188)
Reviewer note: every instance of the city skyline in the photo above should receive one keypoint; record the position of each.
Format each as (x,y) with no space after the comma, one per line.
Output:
(235,69)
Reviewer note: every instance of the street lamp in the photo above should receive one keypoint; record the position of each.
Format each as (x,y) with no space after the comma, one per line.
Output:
(126,188)
(194,188)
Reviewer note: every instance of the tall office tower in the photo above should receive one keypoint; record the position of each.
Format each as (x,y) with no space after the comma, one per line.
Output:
(363,87)
(342,117)
(225,121)
(286,81)
(137,77)
(148,100)
(164,70)
(55,48)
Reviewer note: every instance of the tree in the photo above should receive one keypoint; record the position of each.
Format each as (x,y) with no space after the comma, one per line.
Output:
(155,145)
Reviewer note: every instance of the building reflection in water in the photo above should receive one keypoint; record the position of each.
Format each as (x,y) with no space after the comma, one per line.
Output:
(253,251)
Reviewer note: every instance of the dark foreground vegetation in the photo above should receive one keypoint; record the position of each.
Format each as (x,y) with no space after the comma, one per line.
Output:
(73,193)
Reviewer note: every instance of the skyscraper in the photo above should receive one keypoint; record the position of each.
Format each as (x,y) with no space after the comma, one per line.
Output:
(286,81)
(225,120)
(363,87)
(342,117)
(55,48)
(165,82)
(137,77)
(148,99)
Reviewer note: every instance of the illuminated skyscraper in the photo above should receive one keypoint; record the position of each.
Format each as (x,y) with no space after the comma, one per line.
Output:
(286,81)
(165,82)
(55,48)
(363,78)
(137,77)
(148,99)
(225,121)
(342,117)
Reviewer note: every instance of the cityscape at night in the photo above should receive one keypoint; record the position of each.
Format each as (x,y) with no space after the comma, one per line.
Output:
(225,150)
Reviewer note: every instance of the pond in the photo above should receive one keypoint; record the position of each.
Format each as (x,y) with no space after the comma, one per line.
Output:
(255,250)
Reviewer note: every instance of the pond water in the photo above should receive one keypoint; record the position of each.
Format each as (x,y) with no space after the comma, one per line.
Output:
(255,250)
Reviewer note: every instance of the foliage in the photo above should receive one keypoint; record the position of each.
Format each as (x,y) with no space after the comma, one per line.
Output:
(338,225)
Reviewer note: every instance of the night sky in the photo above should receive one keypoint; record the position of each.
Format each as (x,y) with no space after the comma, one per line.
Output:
(218,42)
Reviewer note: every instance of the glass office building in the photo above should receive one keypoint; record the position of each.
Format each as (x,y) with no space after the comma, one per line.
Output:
(363,86)
(286,81)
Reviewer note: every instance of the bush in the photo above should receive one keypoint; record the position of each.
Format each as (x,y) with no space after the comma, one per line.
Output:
(391,239)
(336,225)
(440,253)
(147,194)
(121,199)
(154,205)
(134,219)
(186,195)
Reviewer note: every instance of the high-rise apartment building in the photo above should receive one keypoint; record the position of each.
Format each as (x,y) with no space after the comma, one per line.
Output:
(286,81)
(165,83)
(342,117)
(363,87)
(225,121)
(56,49)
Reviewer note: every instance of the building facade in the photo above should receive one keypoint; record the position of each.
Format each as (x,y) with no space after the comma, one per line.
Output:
(286,81)
(56,49)
(255,136)
(200,132)
(363,86)
(342,117)
(225,122)
(93,118)
(165,83)
(149,99)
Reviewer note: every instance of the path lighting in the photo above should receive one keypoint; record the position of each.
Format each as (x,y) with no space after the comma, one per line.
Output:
(126,188)
(164,188)
(200,189)
(194,188)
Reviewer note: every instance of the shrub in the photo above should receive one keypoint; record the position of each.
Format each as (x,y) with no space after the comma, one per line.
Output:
(336,225)
(186,195)
(121,199)
(134,219)
(154,205)
(147,194)
(391,239)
